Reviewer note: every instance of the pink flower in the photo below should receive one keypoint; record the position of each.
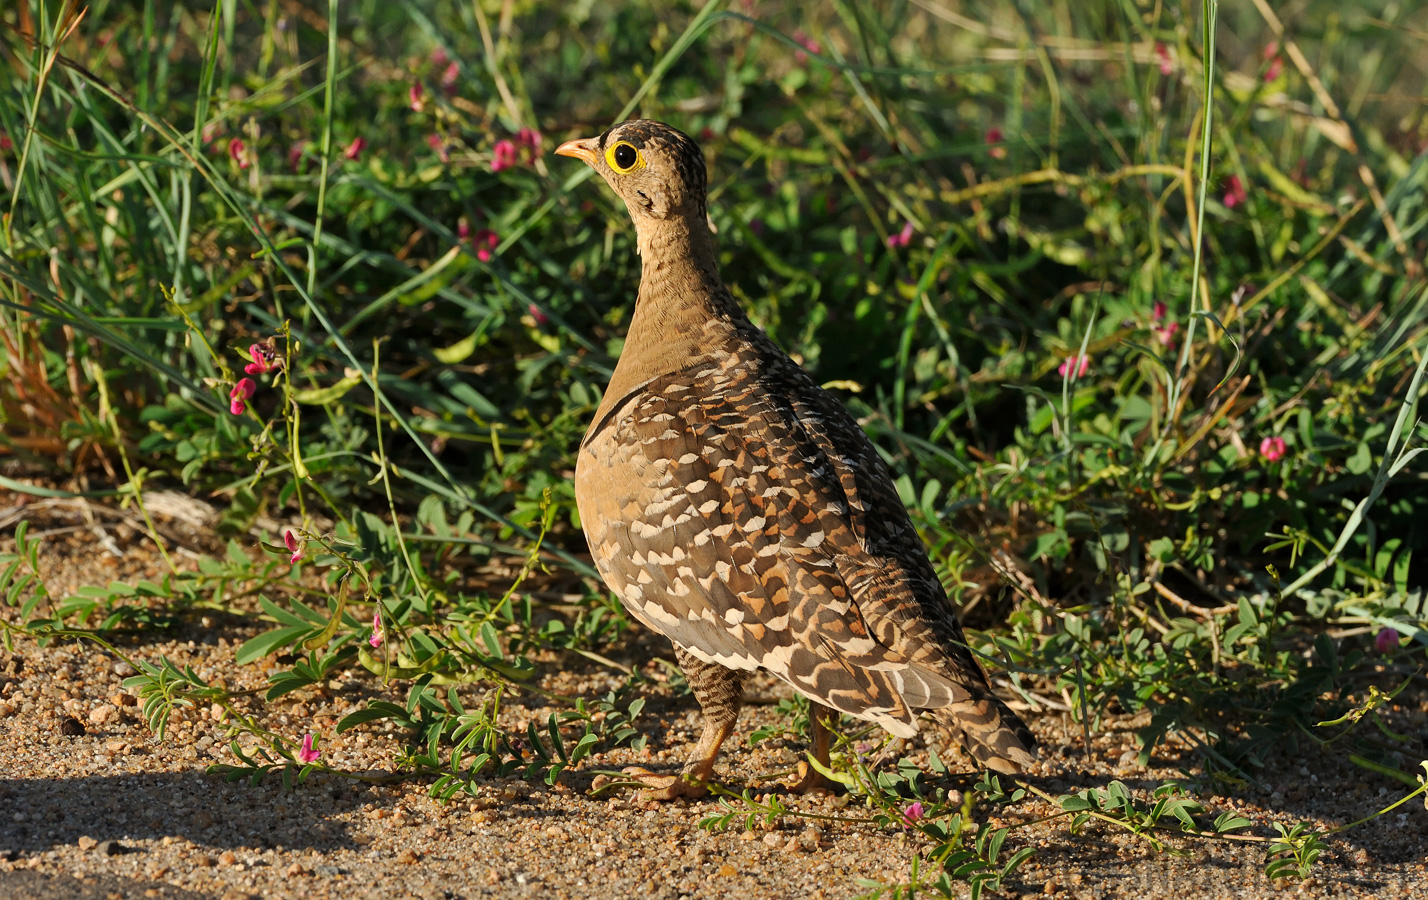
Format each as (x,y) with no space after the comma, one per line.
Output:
(416,95)
(354,149)
(902,238)
(808,44)
(439,57)
(1276,65)
(438,143)
(540,317)
(1272,449)
(1235,193)
(238,152)
(1166,333)
(295,155)
(503,155)
(1074,366)
(913,813)
(211,131)
(265,360)
(994,139)
(306,754)
(448,78)
(529,139)
(1386,641)
(5,143)
(238,397)
(463,230)
(484,241)
(1162,54)
(376,639)
(1157,312)
(294,545)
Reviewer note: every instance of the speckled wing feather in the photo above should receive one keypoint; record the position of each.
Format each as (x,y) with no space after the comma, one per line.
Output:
(737,508)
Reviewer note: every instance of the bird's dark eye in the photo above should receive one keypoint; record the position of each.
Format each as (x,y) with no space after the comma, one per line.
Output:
(623,157)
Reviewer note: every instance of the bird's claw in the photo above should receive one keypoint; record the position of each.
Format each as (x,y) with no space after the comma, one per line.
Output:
(811,782)
(664,787)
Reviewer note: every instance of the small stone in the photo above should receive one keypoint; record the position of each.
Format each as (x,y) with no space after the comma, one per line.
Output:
(110,848)
(296,869)
(773,839)
(102,714)
(124,700)
(87,843)
(811,838)
(746,836)
(598,782)
(205,861)
(727,871)
(1050,888)
(203,818)
(228,858)
(123,669)
(72,727)
(408,857)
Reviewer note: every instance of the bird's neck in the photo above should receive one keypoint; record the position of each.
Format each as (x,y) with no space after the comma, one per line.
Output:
(683,311)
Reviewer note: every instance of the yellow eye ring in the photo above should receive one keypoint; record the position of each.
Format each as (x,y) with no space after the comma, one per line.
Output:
(624,157)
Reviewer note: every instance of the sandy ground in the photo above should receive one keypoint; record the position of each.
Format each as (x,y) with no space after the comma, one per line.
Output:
(112,813)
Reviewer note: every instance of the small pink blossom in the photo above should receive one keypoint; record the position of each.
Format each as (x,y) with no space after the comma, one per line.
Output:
(1158,311)
(449,76)
(1386,641)
(902,238)
(439,57)
(1276,65)
(1235,193)
(913,814)
(238,152)
(1162,55)
(994,139)
(354,149)
(1166,333)
(306,754)
(294,545)
(240,395)
(264,361)
(211,131)
(416,96)
(808,44)
(295,153)
(530,141)
(484,240)
(438,143)
(6,144)
(376,639)
(540,317)
(1272,449)
(503,155)
(1074,366)
(463,230)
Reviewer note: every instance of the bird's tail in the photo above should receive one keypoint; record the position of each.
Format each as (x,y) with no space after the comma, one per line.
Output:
(991,732)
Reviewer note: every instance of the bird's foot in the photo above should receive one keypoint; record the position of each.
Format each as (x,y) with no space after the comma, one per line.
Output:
(811,782)
(664,787)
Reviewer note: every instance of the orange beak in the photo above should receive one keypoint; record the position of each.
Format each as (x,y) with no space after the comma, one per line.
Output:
(580,149)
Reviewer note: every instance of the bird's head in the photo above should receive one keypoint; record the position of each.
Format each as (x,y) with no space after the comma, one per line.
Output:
(657,170)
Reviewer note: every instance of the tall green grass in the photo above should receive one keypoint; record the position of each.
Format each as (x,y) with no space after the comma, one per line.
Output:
(1216,522)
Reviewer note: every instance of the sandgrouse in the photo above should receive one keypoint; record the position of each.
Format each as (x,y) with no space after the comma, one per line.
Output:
(737,508)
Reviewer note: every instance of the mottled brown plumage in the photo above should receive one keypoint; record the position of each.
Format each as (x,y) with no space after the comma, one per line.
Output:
(736,507)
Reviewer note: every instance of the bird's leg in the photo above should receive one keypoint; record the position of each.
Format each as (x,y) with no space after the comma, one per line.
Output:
(720,692)
(810,780)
